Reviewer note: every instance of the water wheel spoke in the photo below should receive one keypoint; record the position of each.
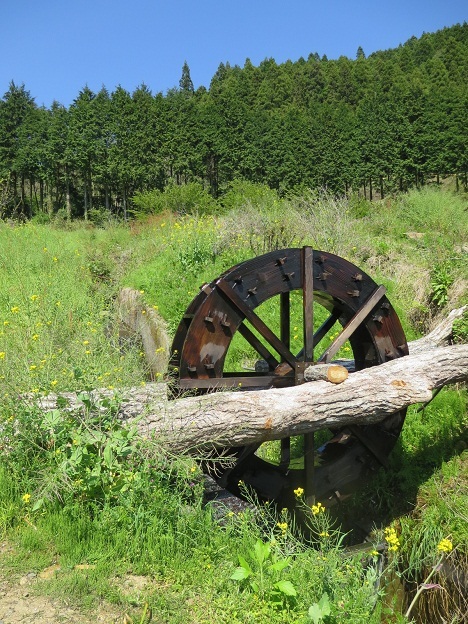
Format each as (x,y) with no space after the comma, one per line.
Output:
(308,303)
(352,325)
(285,319)
(308,356)
(256,322)
(246,453)
(326,326)
(258,346)
(285,457)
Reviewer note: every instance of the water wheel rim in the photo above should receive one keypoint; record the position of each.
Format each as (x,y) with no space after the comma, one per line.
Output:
(220,310)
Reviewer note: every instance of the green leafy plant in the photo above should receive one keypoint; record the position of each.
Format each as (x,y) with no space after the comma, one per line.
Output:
(81,455)
(196,255)
(263,576)
(320,610)
(179,199)
(441,280)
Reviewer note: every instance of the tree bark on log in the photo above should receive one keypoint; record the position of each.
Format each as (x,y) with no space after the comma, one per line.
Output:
(334,373)
(239,418)
(226,419)
(440,335)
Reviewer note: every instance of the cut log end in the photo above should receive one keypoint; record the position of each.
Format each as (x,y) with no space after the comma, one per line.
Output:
(334,373)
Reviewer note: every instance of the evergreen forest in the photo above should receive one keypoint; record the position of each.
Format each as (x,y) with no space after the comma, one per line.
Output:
(393,120)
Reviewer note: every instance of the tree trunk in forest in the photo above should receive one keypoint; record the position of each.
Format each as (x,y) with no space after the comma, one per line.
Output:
(239,418)
(69,206)
(370,189)
(31,184)
(85,201)
(41,194)
(23,194)
(90,187)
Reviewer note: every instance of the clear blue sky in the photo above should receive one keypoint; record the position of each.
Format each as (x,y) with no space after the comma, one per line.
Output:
(56,47)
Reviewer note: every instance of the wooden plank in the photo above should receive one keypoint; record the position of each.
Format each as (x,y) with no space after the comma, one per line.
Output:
(285,336)
(241,381)
(285,319)
(308,356)
(258,345)
(326,326)
(308,302)
(256,321)
(285,452)
(309,469)
(352,325)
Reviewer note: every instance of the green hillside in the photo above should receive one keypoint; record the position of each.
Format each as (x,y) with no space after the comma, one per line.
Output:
(90,497)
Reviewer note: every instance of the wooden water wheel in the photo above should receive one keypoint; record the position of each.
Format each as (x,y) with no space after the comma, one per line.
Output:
(292,308)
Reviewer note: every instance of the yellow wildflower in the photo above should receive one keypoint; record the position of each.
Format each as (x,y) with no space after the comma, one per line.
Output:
(53,383)
(26,498)
(298,492)
(283,526)
(392,539)
(317,508)
(35,336)
(2,355)
(15,309)
(33,297)
(445,545)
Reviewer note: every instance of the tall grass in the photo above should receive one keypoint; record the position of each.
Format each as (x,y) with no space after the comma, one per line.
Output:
(133,509)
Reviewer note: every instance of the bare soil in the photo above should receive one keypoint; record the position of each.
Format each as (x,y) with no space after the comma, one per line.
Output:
(19,601)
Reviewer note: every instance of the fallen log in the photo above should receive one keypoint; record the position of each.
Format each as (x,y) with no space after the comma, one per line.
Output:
(138,321)
(440,335)
(334,373)
(240,418)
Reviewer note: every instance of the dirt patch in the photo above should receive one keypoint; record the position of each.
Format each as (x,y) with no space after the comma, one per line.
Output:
(19,602)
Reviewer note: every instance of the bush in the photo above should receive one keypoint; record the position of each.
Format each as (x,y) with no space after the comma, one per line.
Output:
(183,199)
(241,193)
